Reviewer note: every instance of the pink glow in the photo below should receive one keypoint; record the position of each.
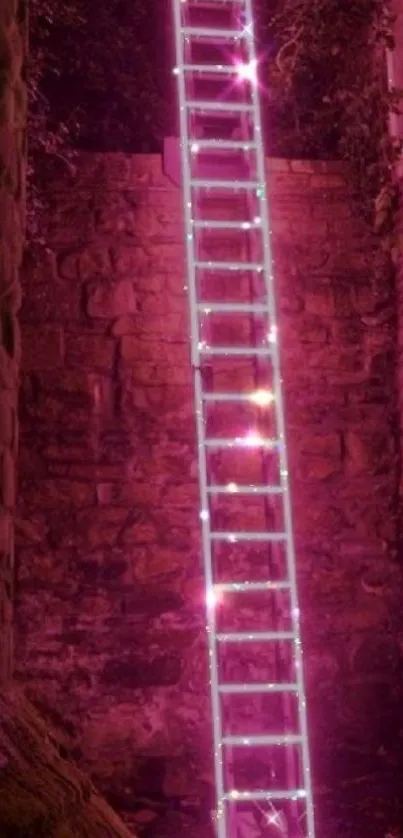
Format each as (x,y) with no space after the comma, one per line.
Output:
(232,487)
(248,72)
(262,398)
(251,440)
(213,598)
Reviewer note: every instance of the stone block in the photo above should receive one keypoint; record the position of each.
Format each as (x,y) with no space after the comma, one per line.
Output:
(7,417)
(110,301)
(7,476)
(94,352)
(48,493)
(94,262)
(67,264)
(139,672)
(6,531)
(321,302)
(166,353)
(43,348)
(131,261)
(69,223)
(321,456)
(327,180)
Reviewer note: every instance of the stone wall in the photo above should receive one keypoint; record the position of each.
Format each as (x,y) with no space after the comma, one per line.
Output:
(12,165)
(110,595)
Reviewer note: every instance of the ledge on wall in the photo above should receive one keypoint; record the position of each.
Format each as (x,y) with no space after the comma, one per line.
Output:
(42,793)
(171,164)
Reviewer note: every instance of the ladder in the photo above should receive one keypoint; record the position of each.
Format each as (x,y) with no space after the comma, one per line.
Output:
(261,757)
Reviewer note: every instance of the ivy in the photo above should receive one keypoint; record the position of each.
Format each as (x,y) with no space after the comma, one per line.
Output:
(98,80)
(329,95)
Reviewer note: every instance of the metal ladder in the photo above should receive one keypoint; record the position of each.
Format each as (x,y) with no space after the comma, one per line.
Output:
(262,771)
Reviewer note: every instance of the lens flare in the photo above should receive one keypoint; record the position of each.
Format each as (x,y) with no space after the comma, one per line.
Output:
(262,398)
(248,71)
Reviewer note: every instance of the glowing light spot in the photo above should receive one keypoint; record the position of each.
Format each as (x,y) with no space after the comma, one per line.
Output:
(176,71)
(232,487)
(248,71)
(204,515)
(214,597)
(272,336)
(251,440)
(247,30)
(211,599)
(262,398)
(195,147)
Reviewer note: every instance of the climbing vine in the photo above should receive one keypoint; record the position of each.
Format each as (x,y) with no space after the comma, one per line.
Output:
(96,76)
(100,79)
(329,93)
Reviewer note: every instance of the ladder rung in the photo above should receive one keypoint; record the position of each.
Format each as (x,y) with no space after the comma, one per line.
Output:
(238,489)
(236,351)
(264,739)
(262,794)
(224,184)
(218,106)
(219,34)
(240,442)
(229,397)
(234,587)
(224,145)
(238,689)
(234,308)
(227,225)
(229,266)
(273,537)
(254,636)
(216,3)
(221,69)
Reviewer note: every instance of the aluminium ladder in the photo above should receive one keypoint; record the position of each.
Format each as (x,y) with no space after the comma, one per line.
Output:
(262,769)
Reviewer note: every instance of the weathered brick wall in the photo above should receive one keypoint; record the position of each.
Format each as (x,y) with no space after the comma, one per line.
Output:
(12,162)
(110,597)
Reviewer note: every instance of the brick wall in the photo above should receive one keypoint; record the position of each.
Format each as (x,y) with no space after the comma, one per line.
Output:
(12,163)
(110,595)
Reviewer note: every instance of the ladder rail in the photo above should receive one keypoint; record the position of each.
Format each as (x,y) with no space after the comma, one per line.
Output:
(279,408)
(198,390)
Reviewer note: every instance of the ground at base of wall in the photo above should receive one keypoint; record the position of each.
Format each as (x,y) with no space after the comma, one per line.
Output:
(42,793)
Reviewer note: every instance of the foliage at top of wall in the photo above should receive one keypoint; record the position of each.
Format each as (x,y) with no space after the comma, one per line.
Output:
(96,81)
(329,92)
(101,79)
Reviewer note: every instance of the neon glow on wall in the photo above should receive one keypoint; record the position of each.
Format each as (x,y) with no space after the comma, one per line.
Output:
(260,737)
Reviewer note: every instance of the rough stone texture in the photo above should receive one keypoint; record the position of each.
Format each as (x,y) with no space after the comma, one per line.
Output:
(110,594)
(42,792)
(12,170)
